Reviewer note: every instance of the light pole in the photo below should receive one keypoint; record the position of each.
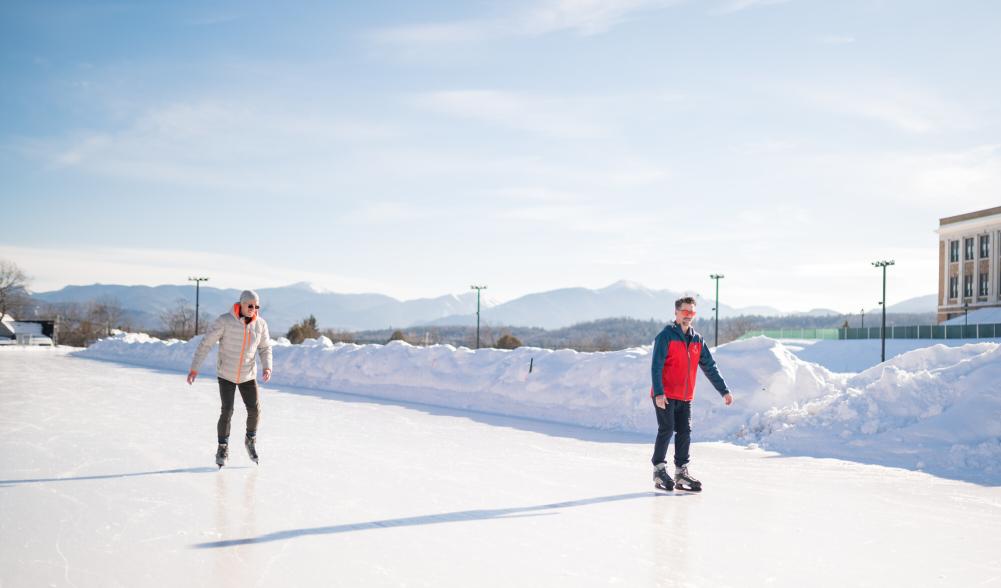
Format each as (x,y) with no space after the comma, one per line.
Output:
(198,282)
(477,288)
(716,277)
(863,317)
(966,315)
(882,331)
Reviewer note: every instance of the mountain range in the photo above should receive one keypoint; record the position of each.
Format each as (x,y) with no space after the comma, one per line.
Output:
(284,306)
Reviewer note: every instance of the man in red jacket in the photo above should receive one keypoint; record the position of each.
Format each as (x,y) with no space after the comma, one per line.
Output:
(677,351)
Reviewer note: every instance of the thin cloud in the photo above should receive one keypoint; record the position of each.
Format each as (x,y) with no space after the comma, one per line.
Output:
(214,144)
(583,17)
(537,114)
(836,39)
(908,108)
(733,6)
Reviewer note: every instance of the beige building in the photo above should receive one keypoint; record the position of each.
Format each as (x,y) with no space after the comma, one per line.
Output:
(969,263)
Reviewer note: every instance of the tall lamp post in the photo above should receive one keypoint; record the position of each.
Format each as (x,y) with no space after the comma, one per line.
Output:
(863,317)
(198,282)
(966,315)
(477,288)
(882,331)
(716,277)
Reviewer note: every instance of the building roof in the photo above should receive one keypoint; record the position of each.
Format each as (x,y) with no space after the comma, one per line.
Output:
(7,326)
(970,216)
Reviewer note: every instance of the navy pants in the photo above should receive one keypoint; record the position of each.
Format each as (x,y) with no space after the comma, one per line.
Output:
(675,419)
(227,393)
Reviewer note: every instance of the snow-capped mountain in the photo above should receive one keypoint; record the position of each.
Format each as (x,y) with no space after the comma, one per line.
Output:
(287,305)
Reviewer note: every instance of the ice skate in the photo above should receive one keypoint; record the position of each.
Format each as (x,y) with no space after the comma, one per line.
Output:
(683,481)
(661,479)
(249,443)
(222,454)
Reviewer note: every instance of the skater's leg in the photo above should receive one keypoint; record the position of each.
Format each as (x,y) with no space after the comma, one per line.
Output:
(248,391)
(227,393)
(665,428)
(683,431)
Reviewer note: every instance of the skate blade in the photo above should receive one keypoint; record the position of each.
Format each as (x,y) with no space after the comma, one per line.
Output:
(659,486)
(688,488)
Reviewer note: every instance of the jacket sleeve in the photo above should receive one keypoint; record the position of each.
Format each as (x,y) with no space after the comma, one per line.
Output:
(657,367)
(211,337)
(708,365)
(264,348)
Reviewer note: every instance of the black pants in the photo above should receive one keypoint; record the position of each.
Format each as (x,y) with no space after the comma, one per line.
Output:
(227,393)
(675,420)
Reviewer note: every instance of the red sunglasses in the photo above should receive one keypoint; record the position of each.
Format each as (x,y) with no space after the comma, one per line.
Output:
(687,312)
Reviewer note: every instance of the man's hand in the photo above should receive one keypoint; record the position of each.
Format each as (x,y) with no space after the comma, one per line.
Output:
(267,374)
(727,399)
(660,401)
(191,377)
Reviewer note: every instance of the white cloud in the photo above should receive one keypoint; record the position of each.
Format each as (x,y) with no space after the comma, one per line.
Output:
(584,17)
(908,108)
(836,39)
(544,115)
(215,144)
(732,6)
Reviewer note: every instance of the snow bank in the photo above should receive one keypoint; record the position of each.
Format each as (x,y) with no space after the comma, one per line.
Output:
(936,408)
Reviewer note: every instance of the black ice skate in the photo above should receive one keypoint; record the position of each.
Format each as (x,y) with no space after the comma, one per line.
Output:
(248,442)
(661,479)
(682,481)
(222,454)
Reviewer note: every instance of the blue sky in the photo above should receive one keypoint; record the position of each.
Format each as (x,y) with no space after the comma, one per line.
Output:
(417,148)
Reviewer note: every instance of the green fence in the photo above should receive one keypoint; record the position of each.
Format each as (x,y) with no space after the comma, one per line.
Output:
(795,334)
(979,331)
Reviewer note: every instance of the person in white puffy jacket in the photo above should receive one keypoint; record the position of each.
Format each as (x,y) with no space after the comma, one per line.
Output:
(242,335)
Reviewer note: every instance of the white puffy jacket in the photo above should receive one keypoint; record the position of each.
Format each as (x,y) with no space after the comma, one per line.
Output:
(239,344)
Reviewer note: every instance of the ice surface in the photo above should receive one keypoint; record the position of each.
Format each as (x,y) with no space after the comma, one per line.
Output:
(106,479)
(933,408)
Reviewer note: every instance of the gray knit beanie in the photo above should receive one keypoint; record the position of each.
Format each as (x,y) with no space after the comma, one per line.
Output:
(249,296)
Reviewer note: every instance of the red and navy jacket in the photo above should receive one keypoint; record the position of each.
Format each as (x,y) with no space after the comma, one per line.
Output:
(675,357)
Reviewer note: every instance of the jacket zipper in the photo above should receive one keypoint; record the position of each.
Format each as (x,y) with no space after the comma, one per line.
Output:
(243,347)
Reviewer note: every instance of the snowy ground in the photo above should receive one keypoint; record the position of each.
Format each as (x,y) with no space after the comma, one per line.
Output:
(106,479)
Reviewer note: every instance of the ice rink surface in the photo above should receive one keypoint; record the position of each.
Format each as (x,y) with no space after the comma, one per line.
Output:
(107,479)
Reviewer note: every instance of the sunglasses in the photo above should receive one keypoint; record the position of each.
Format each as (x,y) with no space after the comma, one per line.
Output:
(254,306)
(686,312)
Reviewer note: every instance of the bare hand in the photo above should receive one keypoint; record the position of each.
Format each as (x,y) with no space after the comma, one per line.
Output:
(191,377)
(660,401)
(727,399)
(267,374)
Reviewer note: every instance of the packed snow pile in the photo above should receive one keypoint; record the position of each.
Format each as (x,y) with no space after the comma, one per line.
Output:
(936,408)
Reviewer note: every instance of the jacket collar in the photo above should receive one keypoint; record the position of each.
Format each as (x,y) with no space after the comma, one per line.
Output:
(236,314)
(691,334)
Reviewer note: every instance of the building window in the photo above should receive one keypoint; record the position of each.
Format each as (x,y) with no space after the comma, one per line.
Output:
(985,246)
(968,247)
(953,287)
(967,286)
(953,251)
(982,289)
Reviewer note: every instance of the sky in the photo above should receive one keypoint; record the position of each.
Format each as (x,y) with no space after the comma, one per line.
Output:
(415,149)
